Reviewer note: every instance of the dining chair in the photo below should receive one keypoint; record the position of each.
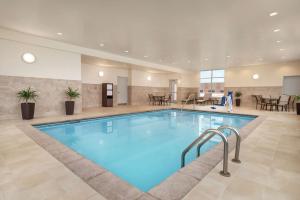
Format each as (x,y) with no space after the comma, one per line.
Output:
(292,103)
(283,102)
(259,101)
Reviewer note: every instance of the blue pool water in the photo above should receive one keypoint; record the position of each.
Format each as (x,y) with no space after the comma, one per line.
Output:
(144,148)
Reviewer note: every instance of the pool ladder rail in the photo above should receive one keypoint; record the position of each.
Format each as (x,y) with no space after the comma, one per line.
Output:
(206,136)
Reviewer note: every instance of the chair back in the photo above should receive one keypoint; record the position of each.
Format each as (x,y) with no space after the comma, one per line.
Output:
(293,99)
(150,97)
(284,99)
(260,99)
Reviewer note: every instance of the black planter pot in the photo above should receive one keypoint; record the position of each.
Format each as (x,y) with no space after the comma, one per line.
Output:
(27,110)
(69,107)
(298,108)
(238,102)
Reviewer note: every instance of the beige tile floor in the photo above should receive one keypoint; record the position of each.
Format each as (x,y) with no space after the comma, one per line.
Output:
(270,166)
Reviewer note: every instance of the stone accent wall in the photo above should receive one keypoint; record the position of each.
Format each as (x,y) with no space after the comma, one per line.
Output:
(51,96)
(138,95)
(247,100)
(92,95)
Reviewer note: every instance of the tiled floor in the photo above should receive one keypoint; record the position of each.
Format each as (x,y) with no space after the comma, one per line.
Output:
(270,167)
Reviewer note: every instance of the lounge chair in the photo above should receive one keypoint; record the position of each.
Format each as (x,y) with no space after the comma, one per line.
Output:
(190,98)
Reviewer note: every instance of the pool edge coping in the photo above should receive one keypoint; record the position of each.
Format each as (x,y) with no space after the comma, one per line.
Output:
(103,181)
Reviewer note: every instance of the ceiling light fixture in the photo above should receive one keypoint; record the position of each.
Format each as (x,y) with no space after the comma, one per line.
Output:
(255,76)
(276,30)
(228,56)
(101,45)
(206,59)
(126,51)
(281,49)
(278,41)
(101,73)
(28,58)
(145,56)
(59,33)
(149,78)
(273,14)
(189,61)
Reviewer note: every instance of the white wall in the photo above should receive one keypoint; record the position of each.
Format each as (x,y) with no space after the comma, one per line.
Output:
(269,75)
(188,80)
(139,78)
(50,63)
(90,74)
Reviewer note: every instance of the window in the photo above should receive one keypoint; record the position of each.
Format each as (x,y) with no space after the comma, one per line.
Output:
(212,81)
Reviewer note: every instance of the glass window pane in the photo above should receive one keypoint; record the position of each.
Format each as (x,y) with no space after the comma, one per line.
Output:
(205,80)
(205,74)
(218,73)
(218,80)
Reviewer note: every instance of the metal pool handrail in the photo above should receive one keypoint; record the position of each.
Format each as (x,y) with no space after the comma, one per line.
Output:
(237,143)
(208,134)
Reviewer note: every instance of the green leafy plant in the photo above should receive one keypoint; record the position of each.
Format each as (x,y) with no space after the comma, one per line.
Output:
(27,95)
(297,97)
(238,94)
(72,93)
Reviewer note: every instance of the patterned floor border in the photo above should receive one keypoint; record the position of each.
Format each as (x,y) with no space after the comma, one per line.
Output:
(113,188)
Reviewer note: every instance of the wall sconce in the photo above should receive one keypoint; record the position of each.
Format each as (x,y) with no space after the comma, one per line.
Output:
(255,76)
(101,73)
(28,58)
(149,78)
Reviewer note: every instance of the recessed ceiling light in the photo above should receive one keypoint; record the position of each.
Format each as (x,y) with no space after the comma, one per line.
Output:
(206,59)
(281,49)
(282,57)
(59,33)
(228,56)
(189,61)
(126,51)
(28,58)
(149,78)
(273,14)
(276,30)
(145,56)
(255,76)
(278,41)
(101,73)
(260,59)
(101,45)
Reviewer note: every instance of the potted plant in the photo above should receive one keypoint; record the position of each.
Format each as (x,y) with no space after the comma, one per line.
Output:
(237,95)
(28,96)
(298,104)
(72,95)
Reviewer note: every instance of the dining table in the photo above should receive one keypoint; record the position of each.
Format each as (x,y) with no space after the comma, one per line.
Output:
(159,98)
(271,101)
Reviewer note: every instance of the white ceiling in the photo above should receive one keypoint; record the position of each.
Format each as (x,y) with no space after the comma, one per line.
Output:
(187,34)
